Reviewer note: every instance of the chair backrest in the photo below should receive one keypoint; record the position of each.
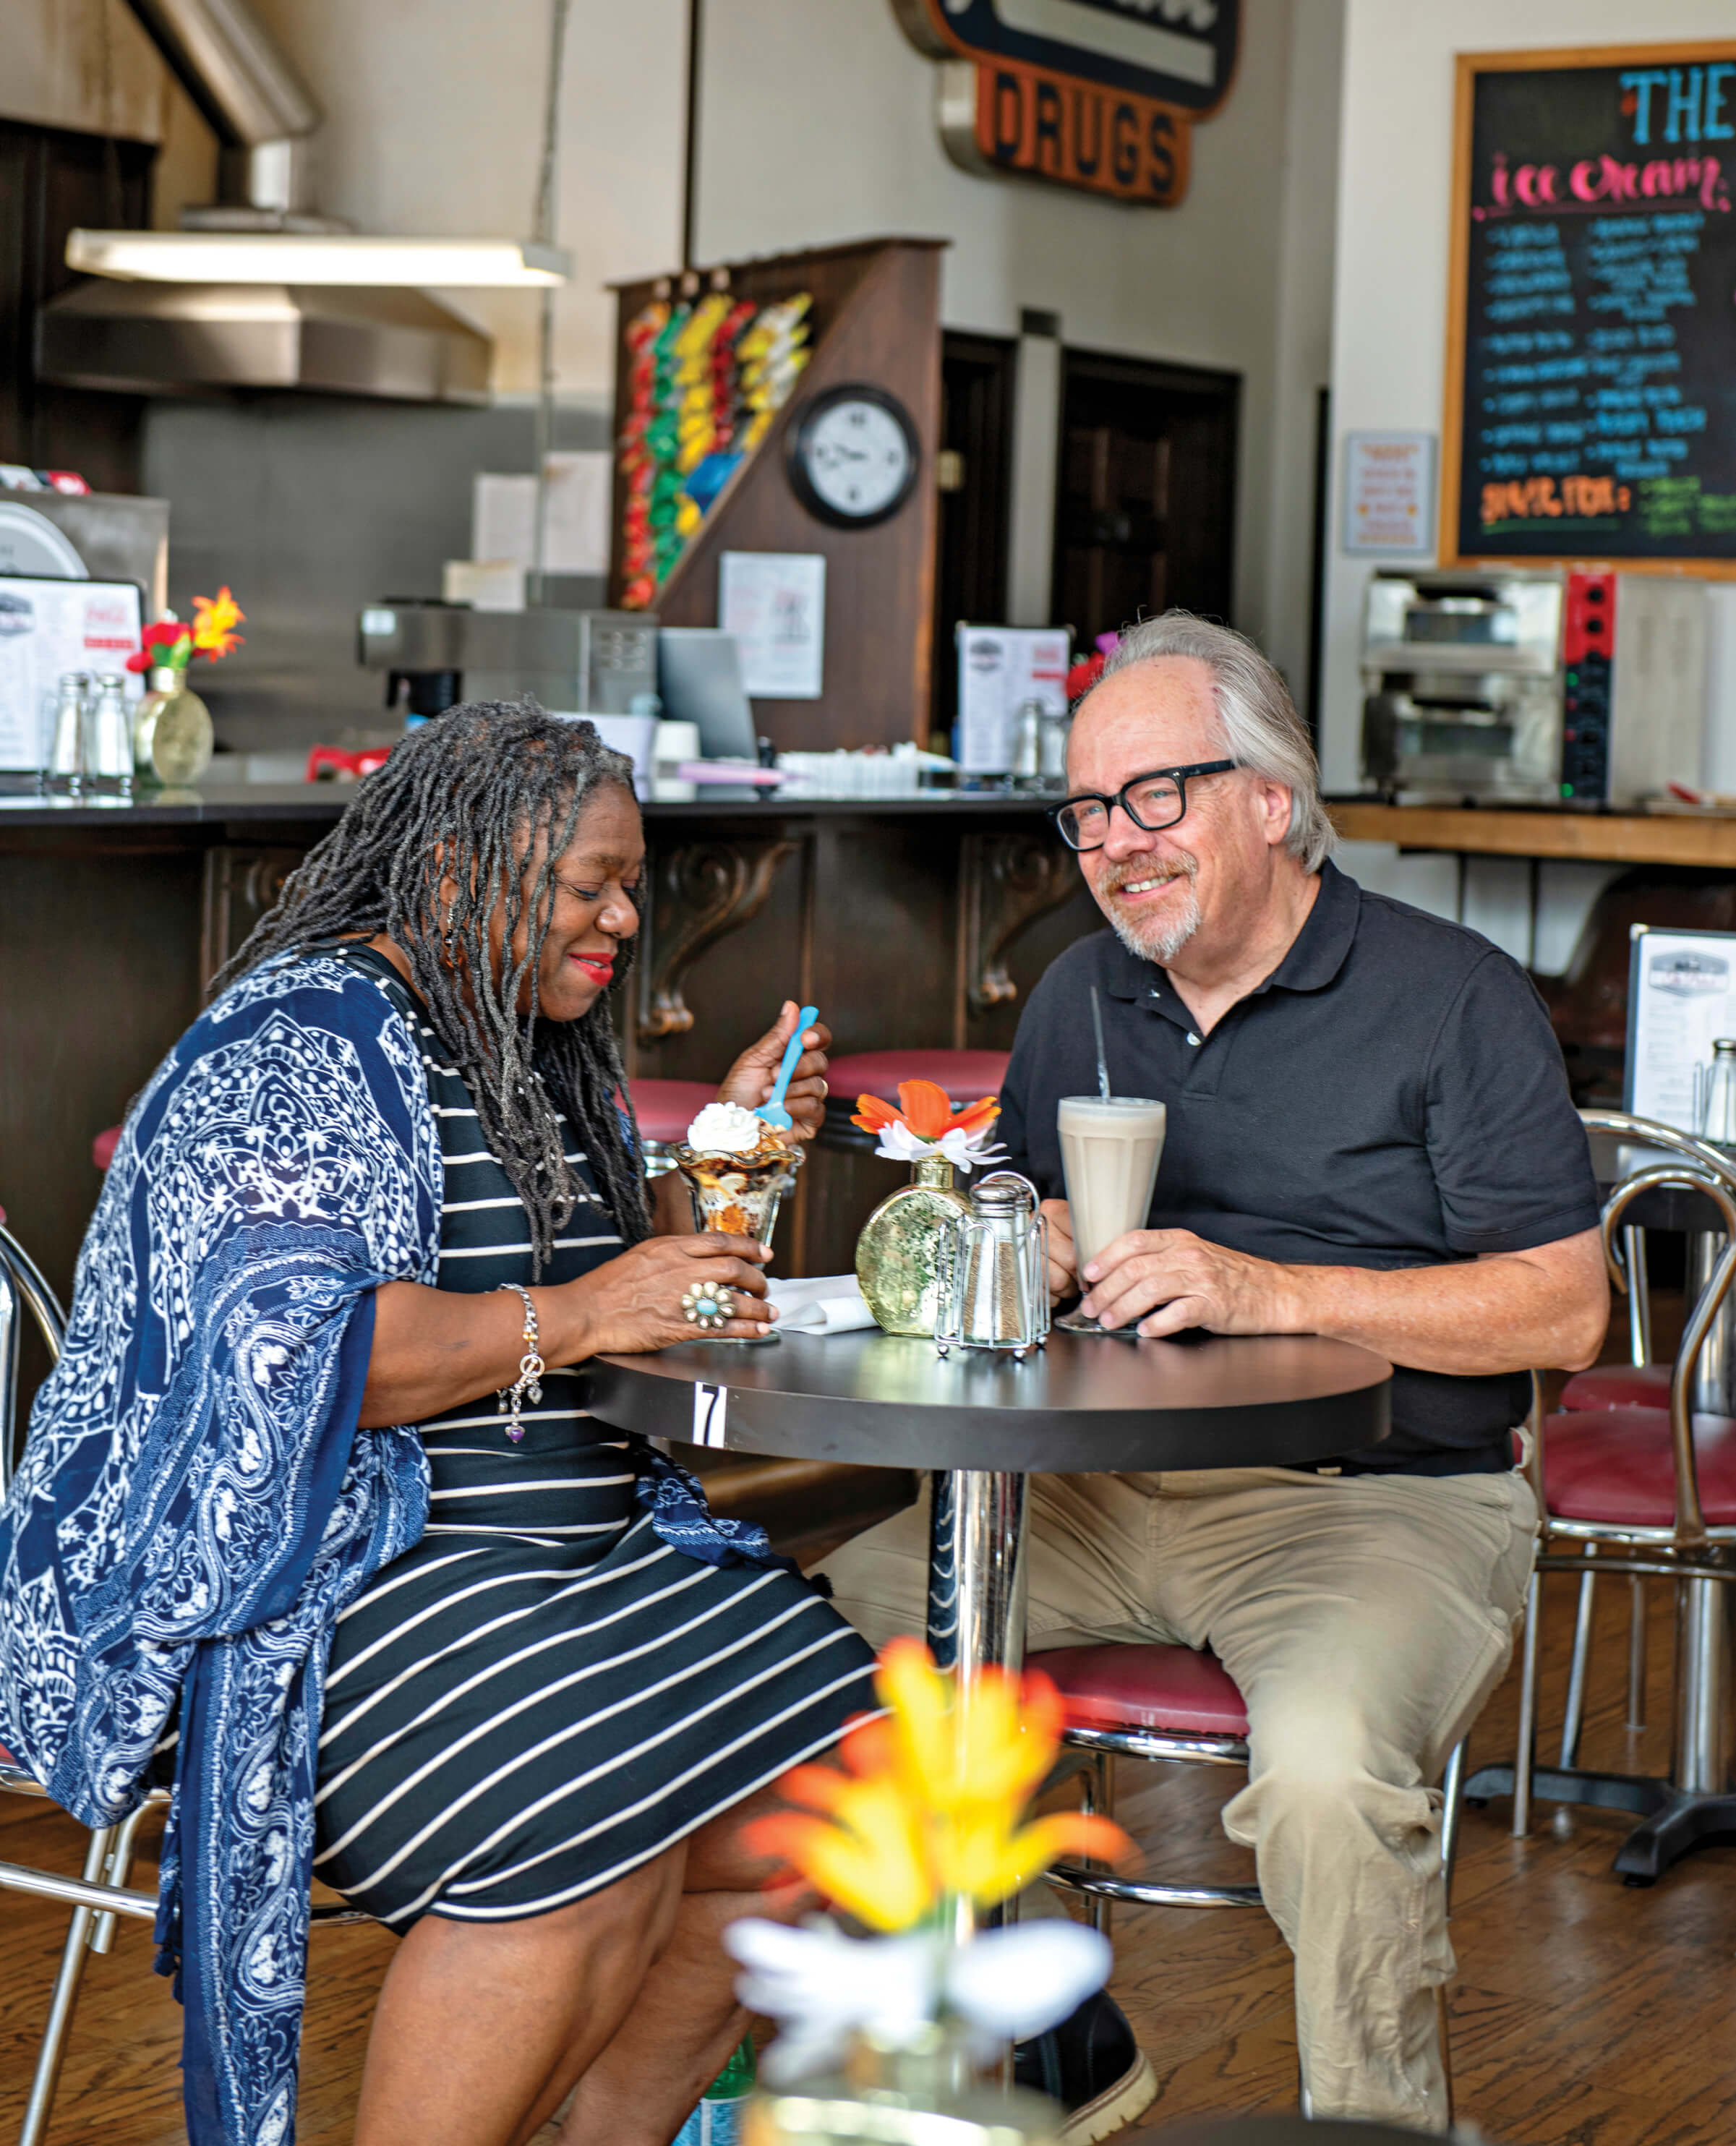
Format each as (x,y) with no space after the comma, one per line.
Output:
(1690,1526)
(22,1286)
(1710,1160)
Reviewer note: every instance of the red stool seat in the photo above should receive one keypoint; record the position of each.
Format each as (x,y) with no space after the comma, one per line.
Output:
(965,1074)
(664,1108)
(1613,1465)
(103,1147)
(1126,1686)
(1619,1386)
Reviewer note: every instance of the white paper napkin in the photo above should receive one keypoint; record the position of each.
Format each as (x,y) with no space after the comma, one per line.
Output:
(822,1304)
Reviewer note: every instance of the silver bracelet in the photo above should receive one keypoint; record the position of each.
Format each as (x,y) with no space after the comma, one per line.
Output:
(530,1366)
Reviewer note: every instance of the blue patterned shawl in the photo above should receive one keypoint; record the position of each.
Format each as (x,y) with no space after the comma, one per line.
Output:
(197,1503)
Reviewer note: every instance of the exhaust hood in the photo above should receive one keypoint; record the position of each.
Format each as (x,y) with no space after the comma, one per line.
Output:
(259,291)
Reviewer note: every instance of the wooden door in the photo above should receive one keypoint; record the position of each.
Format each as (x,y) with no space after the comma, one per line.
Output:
(1145,493)
(973,475)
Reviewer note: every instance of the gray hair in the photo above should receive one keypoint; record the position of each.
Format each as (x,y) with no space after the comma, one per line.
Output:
(1261,729)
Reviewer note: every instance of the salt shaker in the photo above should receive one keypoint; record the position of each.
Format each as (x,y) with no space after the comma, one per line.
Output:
(107,759)
(65,769)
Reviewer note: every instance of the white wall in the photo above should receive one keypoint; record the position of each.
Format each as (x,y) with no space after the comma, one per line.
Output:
(817,125)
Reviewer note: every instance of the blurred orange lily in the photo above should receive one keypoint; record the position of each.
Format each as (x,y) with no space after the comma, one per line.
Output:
(924,1109)
(215,619)
(929,1804)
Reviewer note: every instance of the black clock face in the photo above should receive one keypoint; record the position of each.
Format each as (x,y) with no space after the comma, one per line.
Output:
(854,456)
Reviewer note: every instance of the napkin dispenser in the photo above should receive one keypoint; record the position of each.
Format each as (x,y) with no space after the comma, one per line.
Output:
(993,1269)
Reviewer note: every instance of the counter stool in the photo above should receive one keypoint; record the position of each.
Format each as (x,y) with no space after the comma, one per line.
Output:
(1644,1492)
(103,1147)
(965,1074)
(1176,1706)
(664,1108)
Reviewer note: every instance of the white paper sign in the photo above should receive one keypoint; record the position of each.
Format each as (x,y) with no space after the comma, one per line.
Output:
(1389,493)
(1001,667)
(503,516)
(1681,1000)
(773,602)
(48,627)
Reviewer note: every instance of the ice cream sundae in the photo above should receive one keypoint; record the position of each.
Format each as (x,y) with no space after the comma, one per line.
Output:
(738,1169)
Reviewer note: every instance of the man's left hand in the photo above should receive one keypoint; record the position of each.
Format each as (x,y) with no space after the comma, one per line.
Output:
(749,1082)
(1169,1279)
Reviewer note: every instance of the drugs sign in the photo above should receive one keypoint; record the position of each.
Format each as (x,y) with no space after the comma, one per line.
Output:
(1098,94)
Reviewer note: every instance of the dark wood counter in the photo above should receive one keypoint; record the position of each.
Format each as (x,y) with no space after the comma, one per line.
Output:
(921,919)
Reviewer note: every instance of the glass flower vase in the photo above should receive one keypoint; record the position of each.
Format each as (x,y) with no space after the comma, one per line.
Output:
(171,732)
(898,1252)
(921,2086)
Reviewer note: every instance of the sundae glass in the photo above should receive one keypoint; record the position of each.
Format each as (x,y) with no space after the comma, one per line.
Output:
(737,1169)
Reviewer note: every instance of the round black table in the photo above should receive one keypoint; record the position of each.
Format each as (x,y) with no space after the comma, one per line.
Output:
(979,1423)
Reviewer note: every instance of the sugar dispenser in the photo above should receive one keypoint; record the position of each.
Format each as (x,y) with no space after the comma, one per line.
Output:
(994,1270)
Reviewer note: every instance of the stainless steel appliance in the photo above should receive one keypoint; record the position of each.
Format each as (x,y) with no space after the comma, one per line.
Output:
(1532,686)
(1462,687)
(592,661)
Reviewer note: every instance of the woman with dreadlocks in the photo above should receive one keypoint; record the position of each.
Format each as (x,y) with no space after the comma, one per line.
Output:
(305,1524)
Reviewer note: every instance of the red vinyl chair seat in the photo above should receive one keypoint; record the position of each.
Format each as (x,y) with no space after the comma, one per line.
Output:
(1619,1386)
(965,1074)
(664,1108)
(1613,1465)
(103,1147)
(1127,1686)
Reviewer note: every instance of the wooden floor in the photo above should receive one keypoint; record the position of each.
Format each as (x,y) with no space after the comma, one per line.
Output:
(1582,2010)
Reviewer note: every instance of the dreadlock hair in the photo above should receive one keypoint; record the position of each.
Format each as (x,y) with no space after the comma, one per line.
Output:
(436,842)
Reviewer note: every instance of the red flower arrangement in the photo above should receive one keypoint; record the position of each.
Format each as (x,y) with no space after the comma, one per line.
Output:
(171,645)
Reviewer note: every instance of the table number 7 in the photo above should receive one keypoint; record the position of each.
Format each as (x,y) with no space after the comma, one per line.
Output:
(711,1406)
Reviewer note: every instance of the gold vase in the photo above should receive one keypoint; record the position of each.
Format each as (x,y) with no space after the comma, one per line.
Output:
(897,1252)
(921,2089)
(171,732)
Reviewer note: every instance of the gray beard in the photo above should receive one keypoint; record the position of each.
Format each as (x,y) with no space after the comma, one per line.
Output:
(1160,943)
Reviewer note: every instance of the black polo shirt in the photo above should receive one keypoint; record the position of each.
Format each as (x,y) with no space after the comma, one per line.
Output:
(1392,1095)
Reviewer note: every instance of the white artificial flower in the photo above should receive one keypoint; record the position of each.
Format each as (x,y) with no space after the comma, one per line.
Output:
(965,1151)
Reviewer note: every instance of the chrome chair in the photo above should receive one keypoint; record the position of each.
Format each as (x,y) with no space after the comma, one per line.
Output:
(1177,1705)
(1640,1383)
(100,1893)
(1646,1492)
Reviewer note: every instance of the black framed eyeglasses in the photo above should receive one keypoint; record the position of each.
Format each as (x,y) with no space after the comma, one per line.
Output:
(1152,801)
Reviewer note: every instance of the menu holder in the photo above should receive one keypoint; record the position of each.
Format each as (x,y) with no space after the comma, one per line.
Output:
(1681,1000)
(47,628)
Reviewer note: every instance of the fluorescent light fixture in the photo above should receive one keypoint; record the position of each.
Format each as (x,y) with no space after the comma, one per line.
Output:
(314,257)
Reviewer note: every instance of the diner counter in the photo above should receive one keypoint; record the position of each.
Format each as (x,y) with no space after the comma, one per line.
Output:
(920,920)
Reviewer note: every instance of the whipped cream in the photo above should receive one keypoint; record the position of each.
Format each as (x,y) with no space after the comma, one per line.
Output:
(725,1129)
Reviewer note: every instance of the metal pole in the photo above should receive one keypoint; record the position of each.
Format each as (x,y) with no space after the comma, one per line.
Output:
(1704,1610)
(976,1588)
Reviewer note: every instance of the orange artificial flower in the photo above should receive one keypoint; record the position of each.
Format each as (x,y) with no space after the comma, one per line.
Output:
(927,1807)
(925,1109)
(215,619)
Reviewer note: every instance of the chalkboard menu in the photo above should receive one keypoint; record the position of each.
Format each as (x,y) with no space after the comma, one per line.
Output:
(1591,364)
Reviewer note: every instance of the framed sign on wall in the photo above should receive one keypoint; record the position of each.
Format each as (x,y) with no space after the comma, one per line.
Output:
(1591,332)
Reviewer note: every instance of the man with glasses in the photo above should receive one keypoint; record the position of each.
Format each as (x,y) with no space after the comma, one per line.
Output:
(1369,1136)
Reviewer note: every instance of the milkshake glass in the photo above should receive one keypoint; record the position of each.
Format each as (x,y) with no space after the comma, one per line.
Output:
(1110,1147)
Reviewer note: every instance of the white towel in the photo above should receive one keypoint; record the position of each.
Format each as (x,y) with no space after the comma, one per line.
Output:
(822,1304)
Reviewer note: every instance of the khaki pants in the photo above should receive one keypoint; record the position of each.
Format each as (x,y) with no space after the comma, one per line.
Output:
(1365,1619)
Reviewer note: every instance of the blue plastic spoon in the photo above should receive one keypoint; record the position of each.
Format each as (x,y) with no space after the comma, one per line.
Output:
(772,1109)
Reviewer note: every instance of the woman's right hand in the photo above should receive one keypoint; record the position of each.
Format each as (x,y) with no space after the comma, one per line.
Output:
(633,1303)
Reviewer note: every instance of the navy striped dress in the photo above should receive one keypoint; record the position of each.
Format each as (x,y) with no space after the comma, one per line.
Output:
(543,1694)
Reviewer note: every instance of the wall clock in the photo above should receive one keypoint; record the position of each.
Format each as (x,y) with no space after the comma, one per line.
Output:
(854,455)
